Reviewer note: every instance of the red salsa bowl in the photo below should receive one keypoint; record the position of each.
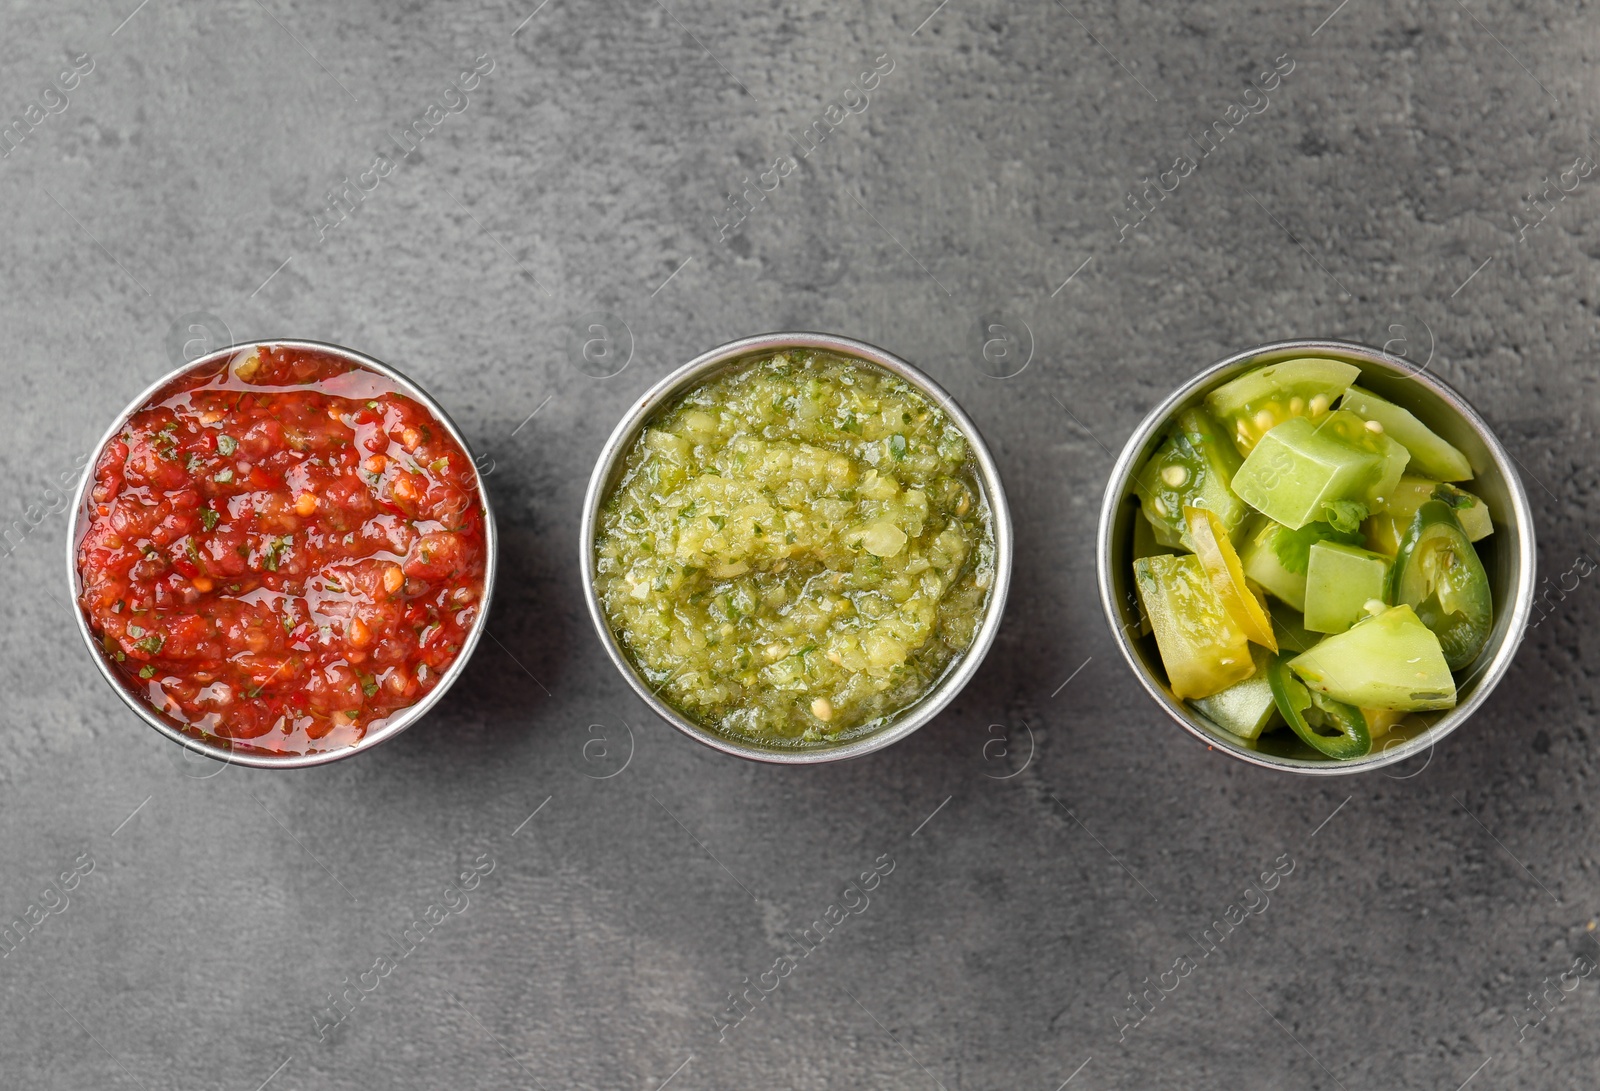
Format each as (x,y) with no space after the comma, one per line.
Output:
(282,553)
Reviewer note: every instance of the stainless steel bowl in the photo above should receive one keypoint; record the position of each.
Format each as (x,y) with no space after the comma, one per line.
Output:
(609,467)
(1508,553)
(218,748)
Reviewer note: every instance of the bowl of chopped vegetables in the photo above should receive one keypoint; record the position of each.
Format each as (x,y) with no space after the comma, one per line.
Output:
(1316,557)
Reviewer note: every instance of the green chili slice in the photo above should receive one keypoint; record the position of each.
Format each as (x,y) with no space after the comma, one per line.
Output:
(1330,727)
(1438,574)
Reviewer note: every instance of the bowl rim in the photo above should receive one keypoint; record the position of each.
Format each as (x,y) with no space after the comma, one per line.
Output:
(396,723)
(697,371)
(1521,598)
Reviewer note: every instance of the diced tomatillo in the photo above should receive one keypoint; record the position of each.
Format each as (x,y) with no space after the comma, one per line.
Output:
(1260,400)
(1388,525)
(1340,581)
(1389,660)
(1203,650)
(1438,573)
(1392,456)
(1413,492)
(1294,471)
(1330,726)
(1262,562)
(1430,454)
(1193,468)
(1221,563)
(1244,708)
(1471,512)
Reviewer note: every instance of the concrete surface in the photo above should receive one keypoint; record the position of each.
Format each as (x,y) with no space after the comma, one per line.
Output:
(1053,843)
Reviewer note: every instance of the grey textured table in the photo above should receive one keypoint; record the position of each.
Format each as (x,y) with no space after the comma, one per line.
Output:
(1112,195)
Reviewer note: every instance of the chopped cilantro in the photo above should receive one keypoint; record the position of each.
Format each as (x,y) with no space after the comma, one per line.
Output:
(223,477)
(147,671)
(226,445)
(897,447)
(1293,547)
(151,644)
(1345,515)
(274,553)
(369,686)
(210,518)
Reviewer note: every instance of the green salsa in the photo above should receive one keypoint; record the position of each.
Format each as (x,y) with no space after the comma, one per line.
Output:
(796,550)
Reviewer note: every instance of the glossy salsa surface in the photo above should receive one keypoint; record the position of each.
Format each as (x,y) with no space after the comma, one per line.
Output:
(282,551)
(797,549)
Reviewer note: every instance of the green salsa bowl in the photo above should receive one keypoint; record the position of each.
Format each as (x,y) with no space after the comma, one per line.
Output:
(1508,557)
(796,548)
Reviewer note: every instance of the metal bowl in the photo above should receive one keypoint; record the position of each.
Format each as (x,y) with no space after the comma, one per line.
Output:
(608,468)
(218,748)
(1508,553)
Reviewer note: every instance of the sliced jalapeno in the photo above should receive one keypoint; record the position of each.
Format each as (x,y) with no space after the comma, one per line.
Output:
(1331,727)
(1438,574)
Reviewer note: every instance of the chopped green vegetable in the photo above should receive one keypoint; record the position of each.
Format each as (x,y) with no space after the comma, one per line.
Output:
(226,445)
(1345,516)
(1430,454)
(1389,660)
(223,477)
(1438,573)
(272,556)
(1293,547)
(1193,468)
(1412,492)
(1331,726)
(1295,470)
(1340,581)
(1471,512)
(147,671)
(1260,400)
(1203,650)
(1369,436)
(209,518)
(1244,708)
(1277,558)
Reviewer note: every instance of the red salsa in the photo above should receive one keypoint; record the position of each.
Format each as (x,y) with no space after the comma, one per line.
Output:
(282,551)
